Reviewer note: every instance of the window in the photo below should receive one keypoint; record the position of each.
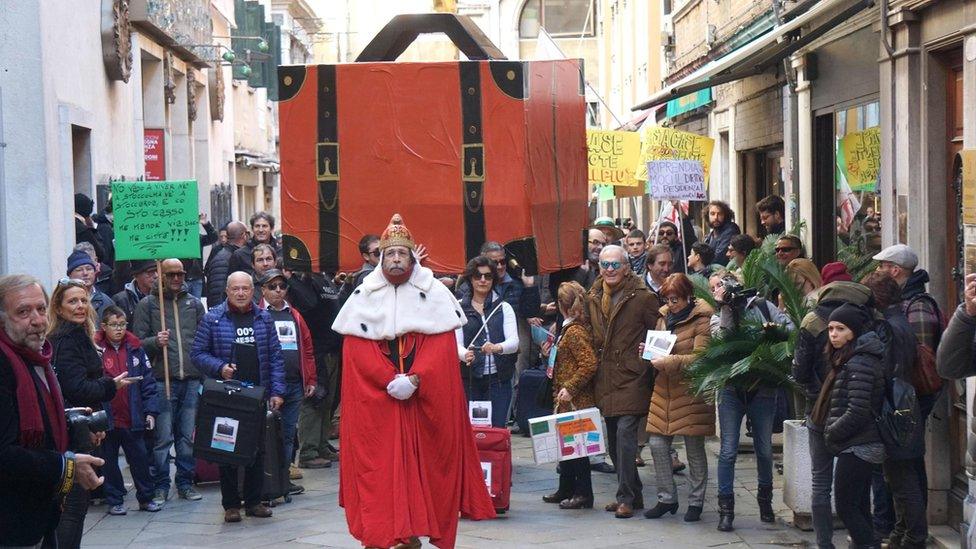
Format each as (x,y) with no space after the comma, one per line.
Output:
(858,203)
(558,17)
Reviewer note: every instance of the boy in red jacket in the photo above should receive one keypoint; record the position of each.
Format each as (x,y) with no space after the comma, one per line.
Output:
(132,411)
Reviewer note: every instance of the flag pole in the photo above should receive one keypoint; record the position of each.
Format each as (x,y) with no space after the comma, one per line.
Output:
(162,323)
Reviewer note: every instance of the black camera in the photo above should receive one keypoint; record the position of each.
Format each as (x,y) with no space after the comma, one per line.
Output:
(735,293)
(81,424)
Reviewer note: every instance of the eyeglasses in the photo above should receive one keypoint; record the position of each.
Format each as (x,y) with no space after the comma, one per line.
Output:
(277,287)
(666,233)
(117,325)
(595,243)
(481,276)
(72,282)
(610,265)
(177,274)
(374,253)
(785,250)
(672,300)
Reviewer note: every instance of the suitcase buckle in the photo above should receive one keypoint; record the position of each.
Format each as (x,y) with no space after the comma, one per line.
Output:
(473,162)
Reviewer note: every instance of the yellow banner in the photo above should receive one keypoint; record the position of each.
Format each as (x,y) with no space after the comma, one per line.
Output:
(659,143)
(861,154)
(612,157)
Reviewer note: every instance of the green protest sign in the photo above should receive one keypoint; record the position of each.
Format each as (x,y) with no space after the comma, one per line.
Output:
(156,219)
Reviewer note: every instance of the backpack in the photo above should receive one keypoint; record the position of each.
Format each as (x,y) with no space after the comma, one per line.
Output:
(925,377)
(899,417)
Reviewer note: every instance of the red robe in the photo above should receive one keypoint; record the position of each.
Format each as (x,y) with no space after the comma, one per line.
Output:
(408,467)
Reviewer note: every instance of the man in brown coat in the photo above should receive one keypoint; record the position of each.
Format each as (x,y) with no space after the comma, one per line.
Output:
(622,309)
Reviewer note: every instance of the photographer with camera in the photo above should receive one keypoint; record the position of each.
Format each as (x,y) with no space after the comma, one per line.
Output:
(83,383)
(36,469)
(738,305)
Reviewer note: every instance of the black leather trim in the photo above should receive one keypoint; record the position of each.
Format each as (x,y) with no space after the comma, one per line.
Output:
(291,78)
(472,157)
(327,161)
(509,76)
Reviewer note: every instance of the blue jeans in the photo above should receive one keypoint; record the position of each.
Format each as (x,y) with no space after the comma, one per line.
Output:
(761,410)
(195,287)
(175,422)
(497,391)
(293,396)
(138,459)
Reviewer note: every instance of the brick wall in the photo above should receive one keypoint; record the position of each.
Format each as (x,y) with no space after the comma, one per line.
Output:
(759,120)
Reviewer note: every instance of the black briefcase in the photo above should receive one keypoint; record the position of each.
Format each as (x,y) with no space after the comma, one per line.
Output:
(230,422)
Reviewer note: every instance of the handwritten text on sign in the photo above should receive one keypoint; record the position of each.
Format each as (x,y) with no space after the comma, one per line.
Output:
(659,143)
(156,220)
(611,157)
(676,180)
(861,158)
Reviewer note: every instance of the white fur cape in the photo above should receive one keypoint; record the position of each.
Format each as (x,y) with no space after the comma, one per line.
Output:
(380,311)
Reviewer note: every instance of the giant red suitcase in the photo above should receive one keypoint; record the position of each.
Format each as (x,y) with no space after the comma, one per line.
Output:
(467,151)
(495,449)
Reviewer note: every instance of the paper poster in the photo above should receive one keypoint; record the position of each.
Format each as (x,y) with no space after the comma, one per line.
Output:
(156,220)
(287,334)
(568,435)
(480,412)
(659,143)
(676,180)
(658,343)
(604,192)
(612,157)
(859,158)
(224,434)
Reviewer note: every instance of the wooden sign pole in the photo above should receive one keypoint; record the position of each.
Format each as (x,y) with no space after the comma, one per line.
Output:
(162,322)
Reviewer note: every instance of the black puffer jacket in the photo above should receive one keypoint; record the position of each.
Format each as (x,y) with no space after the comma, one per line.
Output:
(809,364)
(218,269)
(79,368)
(855,400)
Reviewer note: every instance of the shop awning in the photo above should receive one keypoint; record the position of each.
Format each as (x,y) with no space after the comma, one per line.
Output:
(760,54)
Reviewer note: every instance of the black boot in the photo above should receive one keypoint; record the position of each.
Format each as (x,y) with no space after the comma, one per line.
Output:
(765,499)
(726,512)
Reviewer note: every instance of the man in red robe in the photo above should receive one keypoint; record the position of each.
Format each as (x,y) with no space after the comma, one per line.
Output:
(409,462)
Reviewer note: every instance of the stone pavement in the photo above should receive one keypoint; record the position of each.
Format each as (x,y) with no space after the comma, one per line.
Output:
(314,519)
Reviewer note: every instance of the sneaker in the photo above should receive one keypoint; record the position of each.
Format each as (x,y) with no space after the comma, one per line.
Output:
(117,510)
(160,496)
(150,507)
(294,489)
(294,473)
(190,494)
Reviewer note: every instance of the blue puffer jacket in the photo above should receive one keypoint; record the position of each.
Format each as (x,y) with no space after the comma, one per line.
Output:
(214,343)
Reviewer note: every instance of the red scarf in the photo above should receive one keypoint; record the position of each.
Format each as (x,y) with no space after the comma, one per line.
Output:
(31,421)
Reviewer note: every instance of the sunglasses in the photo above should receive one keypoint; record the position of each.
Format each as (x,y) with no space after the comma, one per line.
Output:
(117,325)
(666,233)
(499,262)
(179,274)
(785,250)
(281,286)
(72,282)
(374,253)
(482,276)
(610,265)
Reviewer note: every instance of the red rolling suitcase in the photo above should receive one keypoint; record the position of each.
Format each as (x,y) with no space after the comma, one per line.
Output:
(495,452)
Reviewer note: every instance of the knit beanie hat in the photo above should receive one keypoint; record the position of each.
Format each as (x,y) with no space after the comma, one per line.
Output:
(835,271)
(77,259)
(855,317)
(83,205)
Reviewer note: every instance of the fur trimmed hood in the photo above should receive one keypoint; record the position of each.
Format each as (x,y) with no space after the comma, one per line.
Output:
(380,311)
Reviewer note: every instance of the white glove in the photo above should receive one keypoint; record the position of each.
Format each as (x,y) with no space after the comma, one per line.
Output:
(401,388)
(150,423)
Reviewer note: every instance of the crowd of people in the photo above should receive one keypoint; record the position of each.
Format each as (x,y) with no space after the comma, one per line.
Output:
(253,313)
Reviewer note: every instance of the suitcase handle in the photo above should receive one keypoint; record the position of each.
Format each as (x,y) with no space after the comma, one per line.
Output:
(394,38)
